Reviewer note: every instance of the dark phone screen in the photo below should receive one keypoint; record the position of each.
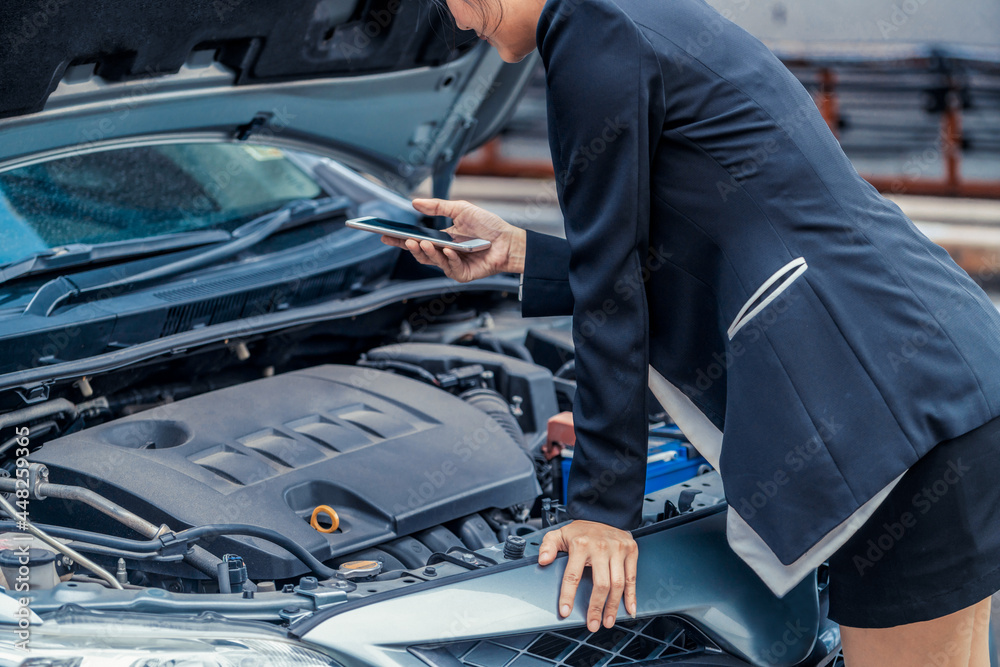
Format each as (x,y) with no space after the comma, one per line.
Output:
(418,231)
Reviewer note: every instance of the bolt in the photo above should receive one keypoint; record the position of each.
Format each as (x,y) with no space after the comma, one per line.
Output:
(513,547)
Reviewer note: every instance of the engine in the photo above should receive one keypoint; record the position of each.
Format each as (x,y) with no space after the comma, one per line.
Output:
(406,466)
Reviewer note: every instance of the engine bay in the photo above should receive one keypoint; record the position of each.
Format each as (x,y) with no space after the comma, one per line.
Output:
(390,449)
(269,452)
(241,468)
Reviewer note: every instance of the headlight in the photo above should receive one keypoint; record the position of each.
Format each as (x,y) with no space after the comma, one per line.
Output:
(78,639)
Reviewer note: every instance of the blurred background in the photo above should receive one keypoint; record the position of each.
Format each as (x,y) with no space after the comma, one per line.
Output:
(911,88)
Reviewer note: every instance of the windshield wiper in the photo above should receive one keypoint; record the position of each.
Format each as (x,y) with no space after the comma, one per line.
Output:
(250,233)
(293,214)
(83,254)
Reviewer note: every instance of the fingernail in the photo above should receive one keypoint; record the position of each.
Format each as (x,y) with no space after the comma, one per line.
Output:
(593,625)
(543,554)
(565,610)
(609,620)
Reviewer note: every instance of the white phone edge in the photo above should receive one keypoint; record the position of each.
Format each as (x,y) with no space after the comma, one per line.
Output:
(475,245)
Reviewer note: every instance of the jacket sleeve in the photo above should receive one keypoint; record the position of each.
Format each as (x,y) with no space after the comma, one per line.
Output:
(604,93)
(545,282)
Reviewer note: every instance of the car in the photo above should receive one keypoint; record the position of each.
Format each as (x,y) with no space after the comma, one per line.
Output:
(235,431)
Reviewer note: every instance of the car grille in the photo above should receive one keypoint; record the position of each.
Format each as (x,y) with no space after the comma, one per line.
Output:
(630,642)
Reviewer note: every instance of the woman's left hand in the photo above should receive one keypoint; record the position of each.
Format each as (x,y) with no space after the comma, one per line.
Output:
(507,242)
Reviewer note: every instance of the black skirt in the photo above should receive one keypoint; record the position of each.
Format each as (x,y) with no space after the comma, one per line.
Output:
(933,546)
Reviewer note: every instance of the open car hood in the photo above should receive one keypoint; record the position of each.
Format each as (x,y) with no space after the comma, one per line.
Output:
(389,86)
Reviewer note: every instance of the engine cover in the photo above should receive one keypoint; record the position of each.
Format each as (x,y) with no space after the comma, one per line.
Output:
(390,454)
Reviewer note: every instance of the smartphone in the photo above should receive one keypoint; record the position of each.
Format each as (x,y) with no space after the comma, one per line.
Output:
(402,230)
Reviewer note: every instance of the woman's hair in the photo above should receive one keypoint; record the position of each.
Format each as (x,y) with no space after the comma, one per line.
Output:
(488,11)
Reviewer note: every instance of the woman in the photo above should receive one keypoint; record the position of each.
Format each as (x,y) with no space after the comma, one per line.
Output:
(721,248)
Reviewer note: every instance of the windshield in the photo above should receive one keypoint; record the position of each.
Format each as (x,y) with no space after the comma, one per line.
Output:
(143,191)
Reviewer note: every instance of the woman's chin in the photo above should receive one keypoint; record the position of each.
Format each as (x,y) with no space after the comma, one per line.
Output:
(509,56)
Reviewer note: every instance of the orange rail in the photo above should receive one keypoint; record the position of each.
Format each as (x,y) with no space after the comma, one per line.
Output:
(489,160)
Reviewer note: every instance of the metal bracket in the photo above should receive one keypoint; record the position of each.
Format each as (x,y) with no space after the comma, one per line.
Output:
(38,473)
(470,560)
(447,161)
(33,394)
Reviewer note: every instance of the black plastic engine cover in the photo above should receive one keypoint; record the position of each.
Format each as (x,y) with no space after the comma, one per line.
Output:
(391,455)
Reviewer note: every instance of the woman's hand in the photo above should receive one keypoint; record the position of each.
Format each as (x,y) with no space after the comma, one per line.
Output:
(505,254)
(612,555)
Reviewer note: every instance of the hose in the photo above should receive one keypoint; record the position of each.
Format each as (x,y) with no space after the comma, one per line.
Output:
(518,350)
(403,366)
(198,558)
(46,409)
(507,348)
(495,405)
(59,546)
(191,534)
(40,428)
(282,541)
(100,539)
(88,497)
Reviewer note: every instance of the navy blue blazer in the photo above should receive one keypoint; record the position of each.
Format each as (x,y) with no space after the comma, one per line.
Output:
(716,231)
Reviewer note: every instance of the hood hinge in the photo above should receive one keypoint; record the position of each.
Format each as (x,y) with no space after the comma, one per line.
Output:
(447,162)
(259,120)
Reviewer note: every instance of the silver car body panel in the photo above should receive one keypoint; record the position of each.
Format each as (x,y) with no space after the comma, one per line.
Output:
(687,570)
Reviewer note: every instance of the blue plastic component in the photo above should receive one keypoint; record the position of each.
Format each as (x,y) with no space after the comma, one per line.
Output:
(667,461)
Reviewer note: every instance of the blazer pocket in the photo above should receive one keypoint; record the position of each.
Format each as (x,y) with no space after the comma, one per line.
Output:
(759,300)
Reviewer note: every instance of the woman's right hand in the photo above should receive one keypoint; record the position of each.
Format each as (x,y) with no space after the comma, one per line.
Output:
(507,242)
(613,557)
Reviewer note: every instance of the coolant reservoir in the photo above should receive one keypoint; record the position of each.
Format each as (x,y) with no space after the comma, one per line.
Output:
(44,566)
(31,568)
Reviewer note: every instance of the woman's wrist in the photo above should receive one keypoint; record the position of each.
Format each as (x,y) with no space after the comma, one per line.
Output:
(515,251)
